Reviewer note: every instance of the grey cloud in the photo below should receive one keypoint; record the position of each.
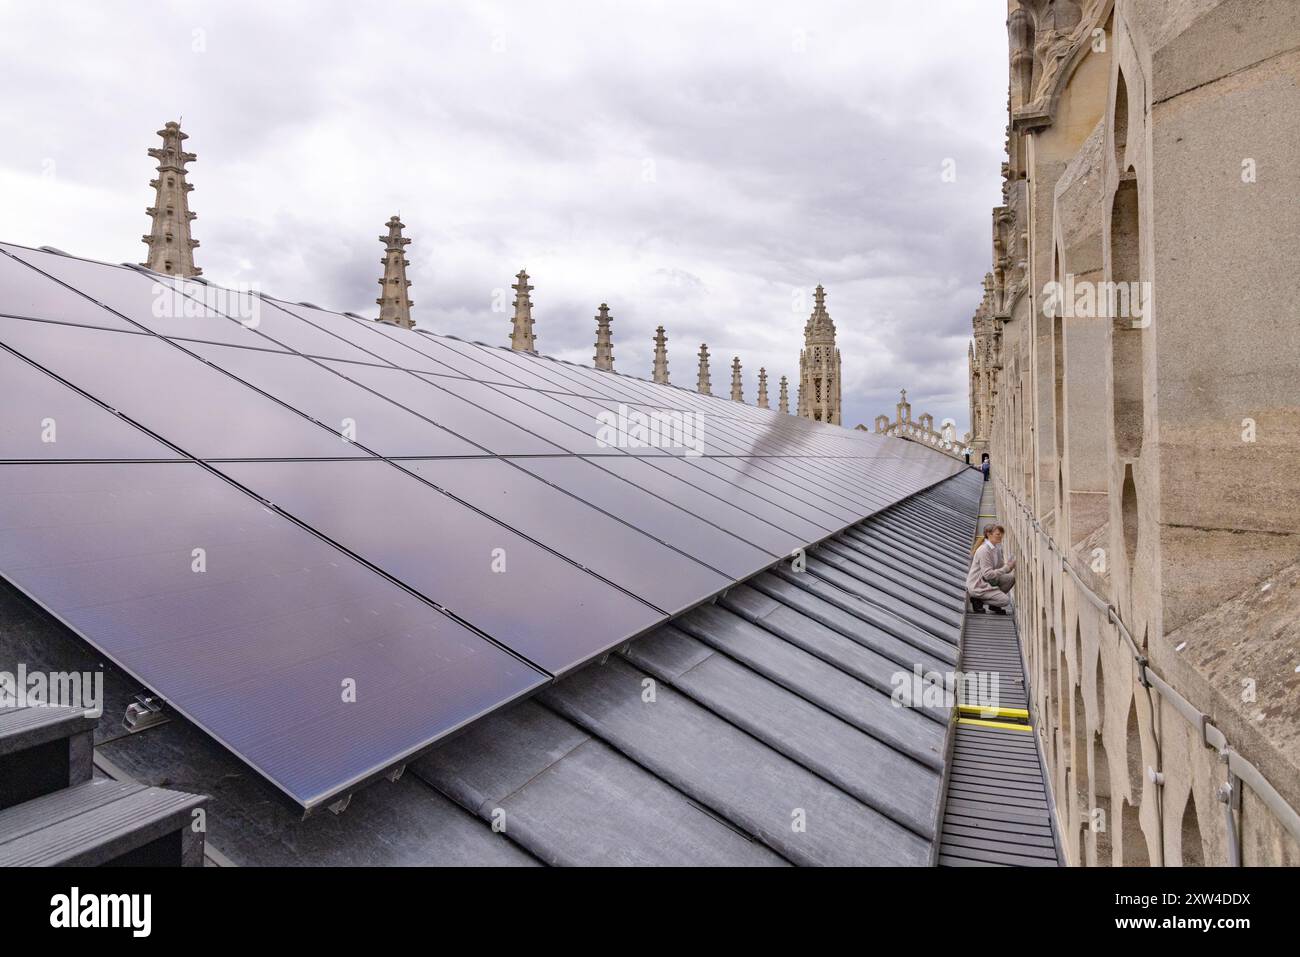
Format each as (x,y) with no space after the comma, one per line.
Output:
(691,164)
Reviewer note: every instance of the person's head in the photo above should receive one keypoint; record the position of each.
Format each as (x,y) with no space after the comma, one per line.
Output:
(984,457)
(994,533)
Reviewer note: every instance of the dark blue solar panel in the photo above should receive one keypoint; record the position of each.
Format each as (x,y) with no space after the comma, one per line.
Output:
(545,608)
(324,393)
(670,521)
(661,575)
(257,648)
(177,396)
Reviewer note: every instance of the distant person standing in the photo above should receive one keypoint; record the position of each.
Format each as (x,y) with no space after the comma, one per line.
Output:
(990,579)
(984,465)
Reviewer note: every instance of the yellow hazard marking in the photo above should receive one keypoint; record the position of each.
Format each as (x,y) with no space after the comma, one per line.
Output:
(974,722)
(993,712)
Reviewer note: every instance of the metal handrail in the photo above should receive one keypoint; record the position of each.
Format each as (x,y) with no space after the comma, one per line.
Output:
(1238,767)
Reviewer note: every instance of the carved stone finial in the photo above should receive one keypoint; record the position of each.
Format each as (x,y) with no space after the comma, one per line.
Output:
(604,340)
(660,372)
(522,337)
(394,307)
(171,248)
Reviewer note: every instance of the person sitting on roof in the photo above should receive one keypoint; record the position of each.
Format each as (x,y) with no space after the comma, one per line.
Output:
(990,578)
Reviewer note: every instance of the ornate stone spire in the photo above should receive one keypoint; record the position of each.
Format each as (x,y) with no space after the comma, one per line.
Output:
(703,385)
(762,389)
(819,366)
(604,342)
(737,394)
(171,250)
(904,408)
(394,307)
(661,357)
(783,403)
(521,327)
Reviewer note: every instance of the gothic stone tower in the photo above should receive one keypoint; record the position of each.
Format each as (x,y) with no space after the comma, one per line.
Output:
(819,367)
(394,307)
(171,250)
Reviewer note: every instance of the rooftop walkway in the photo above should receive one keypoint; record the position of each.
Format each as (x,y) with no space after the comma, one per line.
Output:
(997,811)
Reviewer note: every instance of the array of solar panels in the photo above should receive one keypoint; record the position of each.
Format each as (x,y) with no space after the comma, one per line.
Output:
(330,542)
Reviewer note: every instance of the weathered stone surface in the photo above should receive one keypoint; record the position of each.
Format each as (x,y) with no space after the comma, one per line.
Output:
(819,366)
(1151,144)
(171,248)
(394,307)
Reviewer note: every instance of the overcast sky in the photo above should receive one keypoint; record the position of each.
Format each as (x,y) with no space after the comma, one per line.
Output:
(700,165)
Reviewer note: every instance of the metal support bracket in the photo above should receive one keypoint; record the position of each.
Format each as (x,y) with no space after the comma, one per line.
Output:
(144,713)
(341,805)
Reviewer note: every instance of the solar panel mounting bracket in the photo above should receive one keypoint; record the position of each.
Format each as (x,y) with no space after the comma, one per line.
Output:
(145,712)
(341,805)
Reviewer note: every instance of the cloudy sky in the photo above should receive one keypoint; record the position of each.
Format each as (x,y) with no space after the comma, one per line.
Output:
(700,165)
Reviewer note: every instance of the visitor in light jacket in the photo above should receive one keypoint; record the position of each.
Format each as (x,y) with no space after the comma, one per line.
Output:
(991,578)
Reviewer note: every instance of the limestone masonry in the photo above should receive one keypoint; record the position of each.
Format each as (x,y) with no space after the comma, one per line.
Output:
(1134,377)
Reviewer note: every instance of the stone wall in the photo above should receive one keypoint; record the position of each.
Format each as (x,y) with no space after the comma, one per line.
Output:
(1158,447)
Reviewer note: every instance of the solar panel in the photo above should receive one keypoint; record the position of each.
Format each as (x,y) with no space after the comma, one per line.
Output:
(41,418)
(148,302)
(437,520)
(191,404)
(535,413)
(578,413)
(670,521)
(445,350)
(703,474)
(628,557)
(490,433)
(26,292)
(379,347)
(775,538)
(547,609)
(532,371)
(328,394)
(258,647)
